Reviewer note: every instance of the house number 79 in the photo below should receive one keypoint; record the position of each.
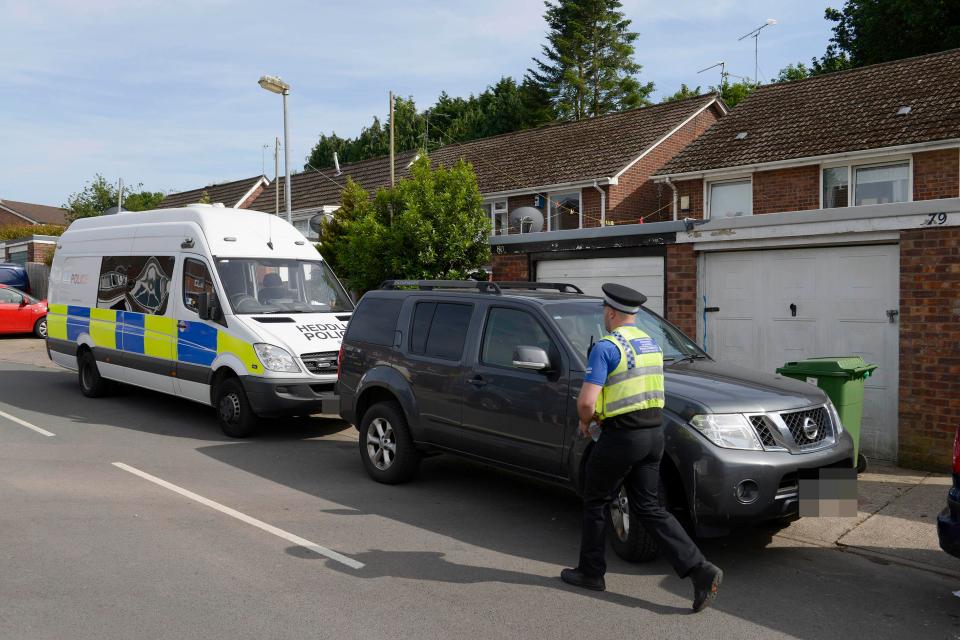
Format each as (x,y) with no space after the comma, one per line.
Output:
(934,220)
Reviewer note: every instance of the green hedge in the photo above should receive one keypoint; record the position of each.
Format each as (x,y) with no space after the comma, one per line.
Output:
(15,231)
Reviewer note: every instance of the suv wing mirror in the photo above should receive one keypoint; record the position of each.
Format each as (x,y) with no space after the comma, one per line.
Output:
(531,358)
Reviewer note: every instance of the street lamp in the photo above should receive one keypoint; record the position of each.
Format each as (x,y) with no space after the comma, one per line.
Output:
(276,85)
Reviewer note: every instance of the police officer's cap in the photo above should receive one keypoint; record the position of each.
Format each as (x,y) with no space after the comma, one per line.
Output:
(621,298)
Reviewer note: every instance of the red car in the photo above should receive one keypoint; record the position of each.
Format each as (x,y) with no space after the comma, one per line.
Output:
(22,313)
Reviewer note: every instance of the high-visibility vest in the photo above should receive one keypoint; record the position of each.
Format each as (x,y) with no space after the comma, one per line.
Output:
(637,382)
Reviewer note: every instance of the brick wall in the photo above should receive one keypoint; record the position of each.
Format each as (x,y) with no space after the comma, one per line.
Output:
(510,267)
(693,189)
(245,204)
(681,288)
(936,174)
(636,196)
(793,189)
(38,252)
(929,346)
(590,198)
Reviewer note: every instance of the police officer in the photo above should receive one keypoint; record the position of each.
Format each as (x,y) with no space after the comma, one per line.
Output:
(623,389)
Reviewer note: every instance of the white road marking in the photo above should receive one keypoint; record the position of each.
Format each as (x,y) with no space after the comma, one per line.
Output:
(242,517)
(26,424)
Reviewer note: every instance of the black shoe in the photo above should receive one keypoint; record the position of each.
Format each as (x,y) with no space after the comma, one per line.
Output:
(706,581)
(578,579)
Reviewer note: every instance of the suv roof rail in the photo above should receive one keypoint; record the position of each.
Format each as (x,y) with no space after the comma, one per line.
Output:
(562,287)
(482,286)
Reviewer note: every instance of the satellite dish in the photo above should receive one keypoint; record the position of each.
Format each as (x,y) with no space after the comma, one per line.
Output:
(316,221)
(526,220)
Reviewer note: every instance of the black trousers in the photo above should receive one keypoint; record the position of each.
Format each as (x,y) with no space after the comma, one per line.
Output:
(631,457)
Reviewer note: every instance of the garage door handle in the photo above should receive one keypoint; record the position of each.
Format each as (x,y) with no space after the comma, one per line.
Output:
(711,309)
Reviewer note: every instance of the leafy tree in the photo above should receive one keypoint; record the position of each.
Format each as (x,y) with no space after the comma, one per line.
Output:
(501,108)
(683,93)
(204,197)
(99,195)
(872,31)
(429,226)
(790,72)
(588,67)
(734,92)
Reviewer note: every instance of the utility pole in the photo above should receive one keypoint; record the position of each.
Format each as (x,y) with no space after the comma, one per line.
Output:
(392,170)
(276,174)
(120,195)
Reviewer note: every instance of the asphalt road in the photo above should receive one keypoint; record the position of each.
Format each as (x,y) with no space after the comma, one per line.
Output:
(151,548)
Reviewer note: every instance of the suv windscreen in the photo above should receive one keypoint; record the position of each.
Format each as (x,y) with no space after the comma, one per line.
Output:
(582,323)
(268,285)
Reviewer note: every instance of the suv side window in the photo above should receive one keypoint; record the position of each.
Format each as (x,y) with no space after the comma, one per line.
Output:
(375,321)
(507,329)
(439,329)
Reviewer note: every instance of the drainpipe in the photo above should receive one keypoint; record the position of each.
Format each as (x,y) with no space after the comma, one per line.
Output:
(603,204)
(676,197)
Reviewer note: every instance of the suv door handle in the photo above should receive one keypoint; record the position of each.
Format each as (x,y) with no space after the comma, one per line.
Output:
(477,381)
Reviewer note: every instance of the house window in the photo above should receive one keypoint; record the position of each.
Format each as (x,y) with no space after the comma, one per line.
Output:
(499,218)
(731,199)
(565,211)
(18,256)
(882,184)
(836,187)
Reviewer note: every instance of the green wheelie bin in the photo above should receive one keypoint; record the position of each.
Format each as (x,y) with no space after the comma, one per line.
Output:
(842,378)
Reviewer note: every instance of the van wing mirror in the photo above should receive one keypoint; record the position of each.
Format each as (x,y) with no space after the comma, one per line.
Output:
(203,306)
(531,358)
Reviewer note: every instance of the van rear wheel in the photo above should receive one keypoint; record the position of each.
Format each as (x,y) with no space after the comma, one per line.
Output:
(92,384)
(233,410)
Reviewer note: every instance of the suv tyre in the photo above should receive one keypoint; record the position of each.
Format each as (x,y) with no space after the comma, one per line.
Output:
(386,447)
(630,539)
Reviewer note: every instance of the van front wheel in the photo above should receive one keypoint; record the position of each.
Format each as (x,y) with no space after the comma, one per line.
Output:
(92,384)
(233,410)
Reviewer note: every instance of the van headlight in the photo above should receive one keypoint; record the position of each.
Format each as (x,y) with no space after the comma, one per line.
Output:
(835,416)
(727,430)
(274,358)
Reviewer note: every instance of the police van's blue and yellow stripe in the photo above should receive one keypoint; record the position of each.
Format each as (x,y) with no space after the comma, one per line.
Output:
(141,341)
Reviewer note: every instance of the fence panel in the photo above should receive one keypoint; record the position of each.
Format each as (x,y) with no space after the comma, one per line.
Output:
(39,275)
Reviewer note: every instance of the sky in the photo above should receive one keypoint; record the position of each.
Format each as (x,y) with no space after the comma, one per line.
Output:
(165,93)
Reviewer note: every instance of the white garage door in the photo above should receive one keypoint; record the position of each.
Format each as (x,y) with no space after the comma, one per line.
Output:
(645,274)
(781,305)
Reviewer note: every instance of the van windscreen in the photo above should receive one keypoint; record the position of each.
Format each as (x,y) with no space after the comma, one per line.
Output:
(269,285)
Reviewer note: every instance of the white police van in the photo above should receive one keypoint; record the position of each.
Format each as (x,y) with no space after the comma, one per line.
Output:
(227,307)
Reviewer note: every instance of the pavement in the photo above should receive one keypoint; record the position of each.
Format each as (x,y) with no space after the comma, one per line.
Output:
(133,516)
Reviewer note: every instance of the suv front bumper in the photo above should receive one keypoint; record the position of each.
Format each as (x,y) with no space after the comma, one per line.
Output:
(711,485)
(275,397)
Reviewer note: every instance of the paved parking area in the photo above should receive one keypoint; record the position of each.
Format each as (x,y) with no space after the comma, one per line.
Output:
(138,518)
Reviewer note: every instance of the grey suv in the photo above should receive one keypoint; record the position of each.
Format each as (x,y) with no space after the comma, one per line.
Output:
(492,371)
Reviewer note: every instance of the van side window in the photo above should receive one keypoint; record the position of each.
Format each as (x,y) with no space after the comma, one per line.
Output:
(135,283)
(439,329)
(196,280)
(508,329)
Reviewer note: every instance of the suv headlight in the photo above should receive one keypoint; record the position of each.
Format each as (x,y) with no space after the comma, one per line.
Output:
(727,430)
(275,359)
(835,416)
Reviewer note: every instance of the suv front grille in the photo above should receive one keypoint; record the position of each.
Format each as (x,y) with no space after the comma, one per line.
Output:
(763,431)
(808,427)
(320,363)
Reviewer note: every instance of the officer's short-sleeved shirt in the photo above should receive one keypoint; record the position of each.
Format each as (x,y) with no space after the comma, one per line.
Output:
(604,358)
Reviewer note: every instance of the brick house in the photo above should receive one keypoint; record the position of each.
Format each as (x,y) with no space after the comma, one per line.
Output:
(30,247)
(828,223)
(576,175)
(238,194)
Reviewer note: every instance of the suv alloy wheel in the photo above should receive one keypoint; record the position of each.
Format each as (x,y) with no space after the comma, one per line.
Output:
(386,447)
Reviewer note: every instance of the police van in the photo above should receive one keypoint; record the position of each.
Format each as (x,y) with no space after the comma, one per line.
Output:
(227,307)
